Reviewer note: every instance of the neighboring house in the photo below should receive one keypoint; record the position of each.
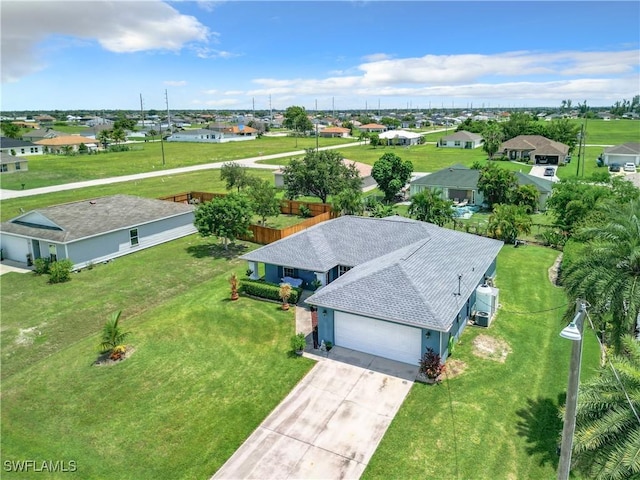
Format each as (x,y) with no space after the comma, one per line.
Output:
(460,184)
(10,163)
(368,182)
(538,149)
(60,144)
(41,134)
(44,119)
(461,139)
(91,231)
(400,137)
(621,154)
(26,124)
(201,135)
(235,133)
(13,146)
(392,287)
(373,128)
(95,121)
(331,132)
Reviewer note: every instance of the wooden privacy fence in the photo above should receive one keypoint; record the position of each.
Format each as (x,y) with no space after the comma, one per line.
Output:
(320,212)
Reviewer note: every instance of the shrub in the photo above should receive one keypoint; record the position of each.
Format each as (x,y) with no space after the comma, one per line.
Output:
(305,211)
(60,271)
(41,266)
(298,342)
(266,290)
(430,365)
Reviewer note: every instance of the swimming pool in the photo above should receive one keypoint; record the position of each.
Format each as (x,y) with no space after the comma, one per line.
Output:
(465,212)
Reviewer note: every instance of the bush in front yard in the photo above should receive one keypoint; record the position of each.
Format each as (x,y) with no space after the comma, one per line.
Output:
(41,266)
(269,291)
(60,271)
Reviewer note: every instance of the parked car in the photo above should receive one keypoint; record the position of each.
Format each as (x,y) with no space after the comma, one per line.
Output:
(614,167)
(629,167)
(549,172)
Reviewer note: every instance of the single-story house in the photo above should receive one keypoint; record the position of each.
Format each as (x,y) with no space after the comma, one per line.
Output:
(331,132)
(13,146)
(200,135)
(92,231)
(400,137)
(44,119)
(373,128)
(621,154)
(58,144)
(368,181)
(540,150)
(22,124)
(10,163)
(460,184)
(392,286)
(461,139)
(40,134)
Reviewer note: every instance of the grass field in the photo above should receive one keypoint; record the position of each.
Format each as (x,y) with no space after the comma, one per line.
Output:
(45,170)
(205,371)
(495,420)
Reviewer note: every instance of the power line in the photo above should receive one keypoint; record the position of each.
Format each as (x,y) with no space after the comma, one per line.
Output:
(537,311)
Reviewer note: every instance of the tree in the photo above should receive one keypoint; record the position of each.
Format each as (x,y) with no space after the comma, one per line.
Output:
(295,118)
(564,131)
(118,135)
(573,200)
(390,122)
(429,206)
(235,176)
(123,123)
(112,335)
(10,130)
(525,196)
(265,202)
(391,174)
(606,272)
(348,202)
(607,439)
(320,174)
(496,183)
(152,133)
(492,136)
(104,137)
(225,217)
(374,139)
(507,222)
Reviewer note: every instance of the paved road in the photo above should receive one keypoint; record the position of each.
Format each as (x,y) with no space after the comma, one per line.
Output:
(330,424)
(247,162)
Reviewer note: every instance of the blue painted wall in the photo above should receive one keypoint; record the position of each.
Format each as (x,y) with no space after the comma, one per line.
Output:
(272,273)
(307,276)
(325,325)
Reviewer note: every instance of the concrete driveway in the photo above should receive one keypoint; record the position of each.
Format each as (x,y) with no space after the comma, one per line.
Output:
(330,424)
(538,171)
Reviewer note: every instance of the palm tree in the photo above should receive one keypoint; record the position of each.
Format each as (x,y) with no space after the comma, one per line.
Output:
(118,135)
(508,221)
(112,336)
(606,272)
(429,206)
(607,439)
(104,136)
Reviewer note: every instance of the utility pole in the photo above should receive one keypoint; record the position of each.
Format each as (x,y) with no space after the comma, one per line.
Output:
(270,112)
(584,140)
(142,111)
(569,427)
(316,122)
(166,99)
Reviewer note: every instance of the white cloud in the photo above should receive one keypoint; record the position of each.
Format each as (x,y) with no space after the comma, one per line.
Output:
(518,75)
(376,57)
(206,52)
(117,26)
(210,92)
(175,83)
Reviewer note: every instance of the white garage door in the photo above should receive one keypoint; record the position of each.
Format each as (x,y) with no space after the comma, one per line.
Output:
(15,248)
(384,339)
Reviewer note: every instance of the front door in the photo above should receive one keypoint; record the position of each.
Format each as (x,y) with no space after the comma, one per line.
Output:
(53,253)
(36,249)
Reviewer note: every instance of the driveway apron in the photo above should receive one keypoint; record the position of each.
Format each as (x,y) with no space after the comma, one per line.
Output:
(330,424)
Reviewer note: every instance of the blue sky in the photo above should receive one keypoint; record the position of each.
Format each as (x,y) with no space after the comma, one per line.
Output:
(348,54)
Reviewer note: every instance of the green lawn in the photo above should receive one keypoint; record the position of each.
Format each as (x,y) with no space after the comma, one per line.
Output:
(505,421)
(205,371)
(45,170)
(613,132)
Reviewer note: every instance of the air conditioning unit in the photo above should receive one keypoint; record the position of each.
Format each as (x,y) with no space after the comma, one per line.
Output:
(483,319)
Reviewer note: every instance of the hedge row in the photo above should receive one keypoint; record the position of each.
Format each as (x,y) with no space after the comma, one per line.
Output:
(270,291)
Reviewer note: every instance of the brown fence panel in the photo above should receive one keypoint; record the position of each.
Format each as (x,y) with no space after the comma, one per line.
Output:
(306,224)
(292,207)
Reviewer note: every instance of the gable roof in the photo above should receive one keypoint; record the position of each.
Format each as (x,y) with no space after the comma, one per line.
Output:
(463,135)
(346,240)
(542,145)
(335,130)
(417,284)
(629,148)
(541,184)
(87,218)
(63,140)
(376,126)
(6,142)
(455,176)
(196,132)
(7,158)
(390,134)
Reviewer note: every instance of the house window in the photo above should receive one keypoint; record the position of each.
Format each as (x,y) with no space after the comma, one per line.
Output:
(457,143)
(17,165)
(22,150)
(342,269)
(53,253)
(288,272)
(4,168)
(33,149)
(133,237)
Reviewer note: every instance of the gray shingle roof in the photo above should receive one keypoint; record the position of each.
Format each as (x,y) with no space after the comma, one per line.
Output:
(6,142)
(345,240)
(464,136)
(456,176)
(541,145)
(89,218)
(629,148)
(417,284)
